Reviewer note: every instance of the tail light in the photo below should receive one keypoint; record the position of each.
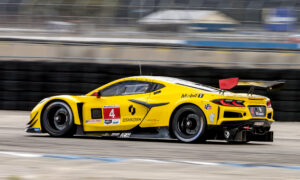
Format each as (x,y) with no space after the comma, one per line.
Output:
(229,102)
(269,105)
(246,127)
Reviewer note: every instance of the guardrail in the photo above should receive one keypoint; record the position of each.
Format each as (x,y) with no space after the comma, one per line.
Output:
(200,44)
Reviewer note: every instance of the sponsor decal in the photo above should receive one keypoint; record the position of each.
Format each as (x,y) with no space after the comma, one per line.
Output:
(125,135)
(36,129)
(107,121)
(260,111)
(207,107)
(131,119)
(93,121)
(153,120)
(257,111)
(131,109)
(211,117)
(111,121)
(259,123)
(116,121)
(111,114)
(192,95)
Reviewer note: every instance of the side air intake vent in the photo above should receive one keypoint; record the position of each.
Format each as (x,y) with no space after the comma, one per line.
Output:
(269,115)
(97,113)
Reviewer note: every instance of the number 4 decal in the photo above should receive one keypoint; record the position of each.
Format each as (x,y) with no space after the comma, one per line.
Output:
(111,112)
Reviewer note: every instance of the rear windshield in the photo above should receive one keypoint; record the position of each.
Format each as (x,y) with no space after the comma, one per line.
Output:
(198,86)
(188,84)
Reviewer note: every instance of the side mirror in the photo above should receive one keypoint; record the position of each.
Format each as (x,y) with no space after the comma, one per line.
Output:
(98,94)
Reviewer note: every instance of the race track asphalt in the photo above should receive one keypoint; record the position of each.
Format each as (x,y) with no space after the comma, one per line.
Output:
(36,156)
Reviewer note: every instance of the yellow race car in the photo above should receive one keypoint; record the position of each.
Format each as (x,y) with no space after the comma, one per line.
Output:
(159,107)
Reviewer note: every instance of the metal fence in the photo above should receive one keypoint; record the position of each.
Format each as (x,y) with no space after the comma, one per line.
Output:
(95,14)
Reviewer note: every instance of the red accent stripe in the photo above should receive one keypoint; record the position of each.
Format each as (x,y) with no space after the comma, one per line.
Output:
(238,105)
(224,103)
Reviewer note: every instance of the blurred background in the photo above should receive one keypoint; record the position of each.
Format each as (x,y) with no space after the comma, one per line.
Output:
(182,18)
(54,47)
(50,47)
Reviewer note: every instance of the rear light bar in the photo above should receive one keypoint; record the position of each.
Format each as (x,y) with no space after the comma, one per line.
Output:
(269,105)
(229,102)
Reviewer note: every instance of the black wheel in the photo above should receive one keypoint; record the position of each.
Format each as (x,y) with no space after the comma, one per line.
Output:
(58,120)
(189,124)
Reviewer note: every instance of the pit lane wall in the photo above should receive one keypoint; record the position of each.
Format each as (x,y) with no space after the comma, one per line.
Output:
(25,83)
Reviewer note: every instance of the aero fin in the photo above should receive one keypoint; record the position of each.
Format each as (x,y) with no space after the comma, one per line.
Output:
(228,83)
(148,105)
(233,82)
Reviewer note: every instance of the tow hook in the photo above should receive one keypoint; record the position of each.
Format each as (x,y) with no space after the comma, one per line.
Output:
(226,134)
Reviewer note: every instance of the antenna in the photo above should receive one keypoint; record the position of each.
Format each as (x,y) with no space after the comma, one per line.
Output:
(140,66)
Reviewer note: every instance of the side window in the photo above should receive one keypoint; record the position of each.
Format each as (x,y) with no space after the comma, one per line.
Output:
(126,88)
(138,88)
(112,90)
(157,86)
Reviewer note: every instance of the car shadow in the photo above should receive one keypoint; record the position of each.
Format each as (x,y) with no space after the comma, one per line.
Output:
(158,140)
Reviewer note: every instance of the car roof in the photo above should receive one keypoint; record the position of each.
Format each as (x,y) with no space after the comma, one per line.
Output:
(162,78)
(180,82)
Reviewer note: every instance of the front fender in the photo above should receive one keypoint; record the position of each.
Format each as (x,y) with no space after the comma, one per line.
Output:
(37,112)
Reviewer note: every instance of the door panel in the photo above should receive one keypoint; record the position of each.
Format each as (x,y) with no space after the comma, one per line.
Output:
(159,116)
(118,113)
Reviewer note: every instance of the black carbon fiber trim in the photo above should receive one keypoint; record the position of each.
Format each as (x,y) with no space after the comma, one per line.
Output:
(29,123)
(247,122)
(79,109)
(148,105)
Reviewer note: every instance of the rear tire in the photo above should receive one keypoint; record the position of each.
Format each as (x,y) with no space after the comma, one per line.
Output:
(189,124)
(58,119)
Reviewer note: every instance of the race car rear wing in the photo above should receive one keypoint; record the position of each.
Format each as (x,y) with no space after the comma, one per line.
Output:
(226,84)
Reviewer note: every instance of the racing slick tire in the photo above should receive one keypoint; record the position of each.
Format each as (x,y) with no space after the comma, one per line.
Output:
(189,124)
(58,120)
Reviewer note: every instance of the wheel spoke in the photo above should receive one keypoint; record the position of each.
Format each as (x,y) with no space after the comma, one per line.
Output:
(189,124)
(58,119)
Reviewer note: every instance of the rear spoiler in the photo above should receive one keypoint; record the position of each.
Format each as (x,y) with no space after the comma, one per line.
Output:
(233,82)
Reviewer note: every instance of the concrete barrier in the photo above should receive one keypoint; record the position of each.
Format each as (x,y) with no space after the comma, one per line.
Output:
(152,42)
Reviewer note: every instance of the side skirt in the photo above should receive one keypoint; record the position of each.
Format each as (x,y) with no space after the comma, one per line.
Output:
(137,132)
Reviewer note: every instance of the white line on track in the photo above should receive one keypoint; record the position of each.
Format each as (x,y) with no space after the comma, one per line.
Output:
(113,159)
(21,154)
(200,163)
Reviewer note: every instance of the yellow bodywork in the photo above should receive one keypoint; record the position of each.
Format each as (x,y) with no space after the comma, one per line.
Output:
(171,97)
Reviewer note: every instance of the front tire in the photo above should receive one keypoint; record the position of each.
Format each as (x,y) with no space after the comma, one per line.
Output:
(189,124)
(58,119)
